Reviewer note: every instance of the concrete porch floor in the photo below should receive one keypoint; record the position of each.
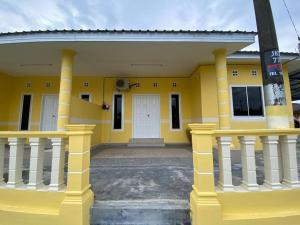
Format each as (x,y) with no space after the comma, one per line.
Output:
(123,173)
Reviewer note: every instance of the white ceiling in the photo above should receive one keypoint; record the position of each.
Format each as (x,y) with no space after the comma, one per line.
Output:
(144,57)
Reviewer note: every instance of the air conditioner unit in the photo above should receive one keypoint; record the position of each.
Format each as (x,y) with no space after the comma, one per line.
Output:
(122,84)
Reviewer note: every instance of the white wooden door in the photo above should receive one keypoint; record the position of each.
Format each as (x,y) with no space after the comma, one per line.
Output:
(146,116)
(49,113)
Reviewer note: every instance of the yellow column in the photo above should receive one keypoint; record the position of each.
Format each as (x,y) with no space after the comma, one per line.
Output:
(205,207)
(65,89)
(79,196)
(222,85)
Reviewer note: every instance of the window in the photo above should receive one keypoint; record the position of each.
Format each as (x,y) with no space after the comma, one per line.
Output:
(155,84)
(247,101)
(118,111)
(85,97)
(85,84)
(175,111)
(235,73)
(25,113)
(28,85)
(174,84)
(48,84)
(254,73)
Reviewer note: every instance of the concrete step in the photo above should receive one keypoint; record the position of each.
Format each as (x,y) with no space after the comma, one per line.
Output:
(141,212)
(146,142)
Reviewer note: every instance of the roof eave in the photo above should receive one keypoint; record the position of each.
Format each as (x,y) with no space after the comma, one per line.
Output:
(129,36)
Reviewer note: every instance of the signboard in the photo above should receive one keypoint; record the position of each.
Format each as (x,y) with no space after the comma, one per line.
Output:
(273,79)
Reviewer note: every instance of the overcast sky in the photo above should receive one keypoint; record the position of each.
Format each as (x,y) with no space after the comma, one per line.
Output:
(19,15)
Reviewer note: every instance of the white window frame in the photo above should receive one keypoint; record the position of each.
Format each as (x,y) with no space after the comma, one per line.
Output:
(259,118)
(21,111)
(85,93)
(170,111)
(113,112)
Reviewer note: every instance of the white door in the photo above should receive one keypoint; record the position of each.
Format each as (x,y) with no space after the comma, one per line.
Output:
(146,116)
(49,113)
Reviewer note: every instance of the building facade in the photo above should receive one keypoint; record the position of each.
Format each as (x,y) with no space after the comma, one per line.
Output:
(173,86)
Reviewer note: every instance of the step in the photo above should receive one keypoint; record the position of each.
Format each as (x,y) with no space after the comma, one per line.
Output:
(146,142)
(141,212)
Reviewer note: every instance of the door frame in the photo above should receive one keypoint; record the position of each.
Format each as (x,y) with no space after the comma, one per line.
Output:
(42,107)
(132,112)
(21,110)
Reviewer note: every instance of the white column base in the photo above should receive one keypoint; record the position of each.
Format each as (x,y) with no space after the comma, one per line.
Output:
(15,184)
(226,188)
(53,187)
(291,184)
(250,187)
(35,186)
(272,186)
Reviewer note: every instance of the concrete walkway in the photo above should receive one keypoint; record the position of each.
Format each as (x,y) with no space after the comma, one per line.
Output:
(122,173)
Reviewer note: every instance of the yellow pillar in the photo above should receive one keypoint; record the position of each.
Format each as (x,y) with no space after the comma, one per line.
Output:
(205,207)
(79,196)
(65,90)
(222,85)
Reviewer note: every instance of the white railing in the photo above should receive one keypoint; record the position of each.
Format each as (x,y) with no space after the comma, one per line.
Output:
(15,143)
(279,149)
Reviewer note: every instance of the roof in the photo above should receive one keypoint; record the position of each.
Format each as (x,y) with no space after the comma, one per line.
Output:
(295,54)
(127,31)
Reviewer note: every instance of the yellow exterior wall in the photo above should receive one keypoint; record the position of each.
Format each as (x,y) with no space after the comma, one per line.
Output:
(164,89)
(83,112)
(271,207)
(209,98)
(5,99)
(37,89)
(198,101)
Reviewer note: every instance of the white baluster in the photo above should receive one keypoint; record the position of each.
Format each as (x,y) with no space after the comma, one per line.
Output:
(58,161)
(16,153)
(3,141)
(225,180)
(36,162)
(298,145)
(271,162)
(248,162)
(289,160)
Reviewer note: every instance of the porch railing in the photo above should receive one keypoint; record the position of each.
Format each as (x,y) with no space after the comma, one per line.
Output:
(223,200)
(76,141)
(279,149)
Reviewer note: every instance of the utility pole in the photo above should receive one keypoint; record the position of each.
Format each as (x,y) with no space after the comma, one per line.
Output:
(275,100)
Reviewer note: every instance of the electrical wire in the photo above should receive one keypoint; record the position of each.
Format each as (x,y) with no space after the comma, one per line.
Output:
(291,18)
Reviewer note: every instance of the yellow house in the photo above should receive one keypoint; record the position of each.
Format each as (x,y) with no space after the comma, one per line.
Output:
(140,87)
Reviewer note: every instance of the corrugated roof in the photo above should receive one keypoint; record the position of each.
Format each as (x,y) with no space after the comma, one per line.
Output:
(257,53)
(127,31)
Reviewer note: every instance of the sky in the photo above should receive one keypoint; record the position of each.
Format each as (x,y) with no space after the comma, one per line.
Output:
(25,15)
